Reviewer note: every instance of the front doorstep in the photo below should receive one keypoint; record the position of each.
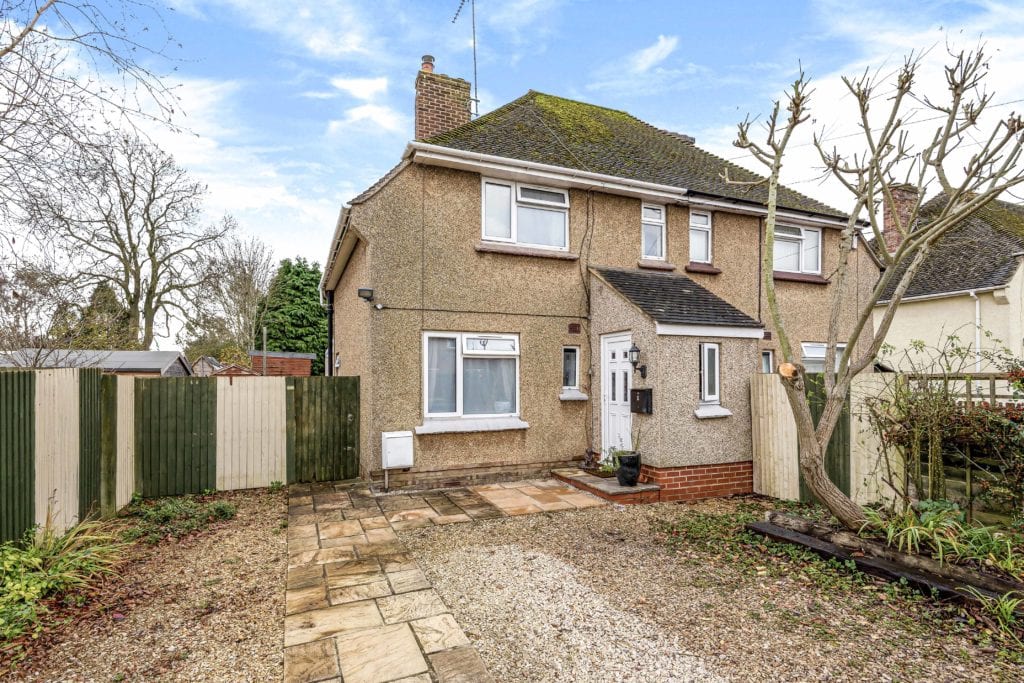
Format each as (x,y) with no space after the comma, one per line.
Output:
(609,489)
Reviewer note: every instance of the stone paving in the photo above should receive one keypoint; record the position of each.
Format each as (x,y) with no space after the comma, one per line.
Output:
(358,607)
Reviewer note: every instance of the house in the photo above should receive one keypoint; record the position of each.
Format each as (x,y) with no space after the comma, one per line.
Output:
(282,363)
(204,366)
(971,284)
(494,289)
(137,363)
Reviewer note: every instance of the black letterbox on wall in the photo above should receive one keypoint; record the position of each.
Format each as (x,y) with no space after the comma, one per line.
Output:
(640,401)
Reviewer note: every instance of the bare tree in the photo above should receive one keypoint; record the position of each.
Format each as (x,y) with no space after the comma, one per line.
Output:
(971,165)
(67,69)
(240,273)
(131,220)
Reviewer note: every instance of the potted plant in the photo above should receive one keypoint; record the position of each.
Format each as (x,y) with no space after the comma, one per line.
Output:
(628,462)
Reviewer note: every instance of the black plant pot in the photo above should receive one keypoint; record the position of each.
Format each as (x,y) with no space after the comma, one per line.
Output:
(629,469)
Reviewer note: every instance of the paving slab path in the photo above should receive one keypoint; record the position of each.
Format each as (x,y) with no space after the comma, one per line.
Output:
(358,607)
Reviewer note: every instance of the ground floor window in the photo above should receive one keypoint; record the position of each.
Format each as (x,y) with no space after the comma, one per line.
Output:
(709,373)
(470,374)
(570,367)
(767,362)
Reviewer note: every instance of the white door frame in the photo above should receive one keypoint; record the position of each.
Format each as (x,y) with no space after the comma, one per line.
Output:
(625,338)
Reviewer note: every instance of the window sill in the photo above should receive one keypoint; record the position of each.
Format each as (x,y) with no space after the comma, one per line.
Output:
(572,395)
(654,264)
(470,424)
(809,278)
(711,411)
(697,267)
(519,250)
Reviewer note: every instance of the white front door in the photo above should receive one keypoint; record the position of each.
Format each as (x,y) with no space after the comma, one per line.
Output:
(616,373)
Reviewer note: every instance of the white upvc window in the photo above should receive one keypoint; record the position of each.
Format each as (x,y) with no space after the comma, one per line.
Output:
(767,362)
(470,374)
(652,225)
(570,367)
(700,236)
(797,250)
(530,215)
(814,356)
(710,389)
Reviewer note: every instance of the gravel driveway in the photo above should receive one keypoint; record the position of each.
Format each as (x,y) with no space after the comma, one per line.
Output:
(593,596)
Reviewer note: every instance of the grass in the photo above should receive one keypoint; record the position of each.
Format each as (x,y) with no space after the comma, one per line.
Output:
(47,568)
(177,517)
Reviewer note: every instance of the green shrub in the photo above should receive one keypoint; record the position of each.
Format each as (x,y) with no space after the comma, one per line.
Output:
(47,565)
(176,517)
(276,486)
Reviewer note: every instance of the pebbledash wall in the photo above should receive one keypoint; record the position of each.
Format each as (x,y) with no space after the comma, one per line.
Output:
(419,249)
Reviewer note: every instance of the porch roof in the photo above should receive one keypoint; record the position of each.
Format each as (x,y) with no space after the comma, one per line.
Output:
(674,299)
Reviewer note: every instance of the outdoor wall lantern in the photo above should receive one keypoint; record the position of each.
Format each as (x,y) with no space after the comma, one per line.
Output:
(634,359)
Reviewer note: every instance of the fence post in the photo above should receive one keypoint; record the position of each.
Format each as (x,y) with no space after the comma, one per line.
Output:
(108,446)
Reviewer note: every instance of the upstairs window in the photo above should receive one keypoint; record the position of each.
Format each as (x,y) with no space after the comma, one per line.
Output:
(525,214)
(700,237)
(797,250)
(472,375)
(652,224)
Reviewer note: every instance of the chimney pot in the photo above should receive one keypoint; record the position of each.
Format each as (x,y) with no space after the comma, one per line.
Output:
(428,64)
(904,199)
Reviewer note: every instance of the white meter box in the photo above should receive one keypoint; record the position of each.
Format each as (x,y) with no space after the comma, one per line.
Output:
(396,450)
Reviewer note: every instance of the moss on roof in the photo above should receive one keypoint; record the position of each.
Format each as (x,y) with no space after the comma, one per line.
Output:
(560,132)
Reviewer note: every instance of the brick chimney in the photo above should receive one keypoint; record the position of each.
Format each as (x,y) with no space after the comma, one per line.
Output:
(442,102)
(904,198)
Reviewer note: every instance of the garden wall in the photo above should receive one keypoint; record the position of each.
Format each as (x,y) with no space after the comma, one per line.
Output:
(76,443)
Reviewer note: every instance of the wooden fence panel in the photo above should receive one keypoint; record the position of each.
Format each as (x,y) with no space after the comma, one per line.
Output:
(126,483)
(17,453)
(776,471)
(90,432)
(323,421)
(57,446)
(175,435)
(837,454)
(251,432)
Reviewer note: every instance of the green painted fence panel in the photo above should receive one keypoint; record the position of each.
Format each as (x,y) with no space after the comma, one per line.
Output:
(837,455)
(323,428)
(175,435)
(90,431)
(108,446)
(17,453)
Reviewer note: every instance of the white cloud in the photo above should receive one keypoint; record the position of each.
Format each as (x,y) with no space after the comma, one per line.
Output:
(362,88)
(641,61)
(370,116)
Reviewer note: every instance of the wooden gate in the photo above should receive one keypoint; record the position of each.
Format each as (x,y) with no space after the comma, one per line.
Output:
(17,453)
(323,428)
(837,455)
(175,435)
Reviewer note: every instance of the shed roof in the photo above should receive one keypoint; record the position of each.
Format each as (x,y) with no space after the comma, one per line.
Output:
(674,299)
(112,361)
(554,130)
(982,252)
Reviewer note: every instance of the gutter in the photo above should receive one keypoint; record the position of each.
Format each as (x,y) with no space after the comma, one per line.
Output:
(340,232)
(943,295)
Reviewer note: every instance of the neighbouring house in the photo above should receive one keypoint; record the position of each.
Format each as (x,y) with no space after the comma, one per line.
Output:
(204,366)
(282,363)
(138,363)
(492,290)
(971,284)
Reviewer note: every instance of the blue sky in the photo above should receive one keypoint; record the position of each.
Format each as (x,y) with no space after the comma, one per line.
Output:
(293,108)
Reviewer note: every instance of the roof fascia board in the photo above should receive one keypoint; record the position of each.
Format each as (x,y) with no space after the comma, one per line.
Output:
(343,243)
(517,169)
(942,295)
(783,215)
(677,330)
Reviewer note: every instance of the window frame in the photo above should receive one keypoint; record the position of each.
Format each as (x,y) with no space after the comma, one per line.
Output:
(709,229)
(460,353)
(663,223)
(823,346)
(801,268)
(706,397)
(517,200)
(576,353)
(769,355)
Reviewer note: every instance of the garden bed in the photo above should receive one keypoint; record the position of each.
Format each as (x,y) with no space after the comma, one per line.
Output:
(208,606)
